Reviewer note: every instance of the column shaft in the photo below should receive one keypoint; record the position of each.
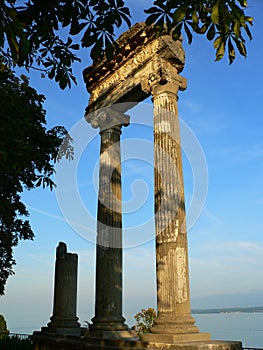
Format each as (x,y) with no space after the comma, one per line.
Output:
(64,319)
(173,299)
(108,304)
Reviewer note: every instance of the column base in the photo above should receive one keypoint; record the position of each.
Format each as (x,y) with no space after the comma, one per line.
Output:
(54,331)
(175,338)
(168,323)
(110,328)
(62,325)
(127,334)
(196,345)
(170,329)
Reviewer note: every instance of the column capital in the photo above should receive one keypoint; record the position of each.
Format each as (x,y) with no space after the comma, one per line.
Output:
(107,118)
(164,78)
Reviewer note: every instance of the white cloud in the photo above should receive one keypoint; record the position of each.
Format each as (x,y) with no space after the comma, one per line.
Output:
(239,153)
(227,267)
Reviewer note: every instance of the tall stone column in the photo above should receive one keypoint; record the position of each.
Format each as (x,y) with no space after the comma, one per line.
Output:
(174,321)
(108,321)
(64,320)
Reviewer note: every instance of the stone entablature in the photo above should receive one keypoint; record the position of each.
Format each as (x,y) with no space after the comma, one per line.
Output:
(140,52)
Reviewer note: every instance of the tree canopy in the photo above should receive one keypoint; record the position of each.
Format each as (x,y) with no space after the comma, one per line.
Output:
(3,327)
(27,154)
(46,35)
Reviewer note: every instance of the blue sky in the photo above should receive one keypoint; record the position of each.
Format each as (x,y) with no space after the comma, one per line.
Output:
(221,110)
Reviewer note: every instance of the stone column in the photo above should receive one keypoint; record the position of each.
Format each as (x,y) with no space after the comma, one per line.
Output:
(174,321)
(108,321)
(64,320)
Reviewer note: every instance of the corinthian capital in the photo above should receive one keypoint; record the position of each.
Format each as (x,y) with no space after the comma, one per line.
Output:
(164,74)
(107,118)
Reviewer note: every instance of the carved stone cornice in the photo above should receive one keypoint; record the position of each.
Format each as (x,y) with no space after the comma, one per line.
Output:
(126,46)
(120,79)
(107,118)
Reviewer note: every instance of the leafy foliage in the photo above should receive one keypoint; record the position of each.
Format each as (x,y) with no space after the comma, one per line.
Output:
(223,21)
(27,154)
(16,343)
(31,32)
(40,33)
(3,328)
(145,319)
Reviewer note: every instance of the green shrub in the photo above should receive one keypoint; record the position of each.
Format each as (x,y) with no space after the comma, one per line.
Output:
(145,319)
(15,343)
(3,328)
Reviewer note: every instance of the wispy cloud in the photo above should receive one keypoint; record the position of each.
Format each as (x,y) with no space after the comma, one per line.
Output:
(240,153)
(202,122)
(46,213)
(193,107)
(212,217)
(209,124)
(228,267)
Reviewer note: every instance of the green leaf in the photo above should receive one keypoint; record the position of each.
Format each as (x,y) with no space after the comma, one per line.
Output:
(74,47)
(195,19)
(218,42)
(97,49)
(237,29)
(177,31)
(220,52)
(203,29)
(231,51)
(237,11)
(39,181)
(248,31)
(215,12)
(93,2)
(211,32)
(179,15)
(240,46)
(249,19)
(69,42)
(243,3)
(51,74)
(48,63)
(152,10)
(152,18)
(188,33)
(63,82)
(120,3)
(88,38)
(126,18)
(76,27)
(109,48)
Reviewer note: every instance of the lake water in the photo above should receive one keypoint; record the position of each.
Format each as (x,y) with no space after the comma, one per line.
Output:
(245,327)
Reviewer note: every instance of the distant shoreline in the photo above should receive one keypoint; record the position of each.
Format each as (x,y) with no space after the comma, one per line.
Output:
(228,310)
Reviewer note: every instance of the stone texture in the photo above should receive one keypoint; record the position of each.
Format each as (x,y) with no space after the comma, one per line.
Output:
(42,342)
(108,321)
(64,319)
(174,321)
(120,79)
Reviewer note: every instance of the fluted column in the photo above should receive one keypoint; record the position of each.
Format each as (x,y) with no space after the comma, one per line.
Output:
(108,321)
(174,321)
(64,319)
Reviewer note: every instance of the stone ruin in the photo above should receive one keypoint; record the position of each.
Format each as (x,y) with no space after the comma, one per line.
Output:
(144,65)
